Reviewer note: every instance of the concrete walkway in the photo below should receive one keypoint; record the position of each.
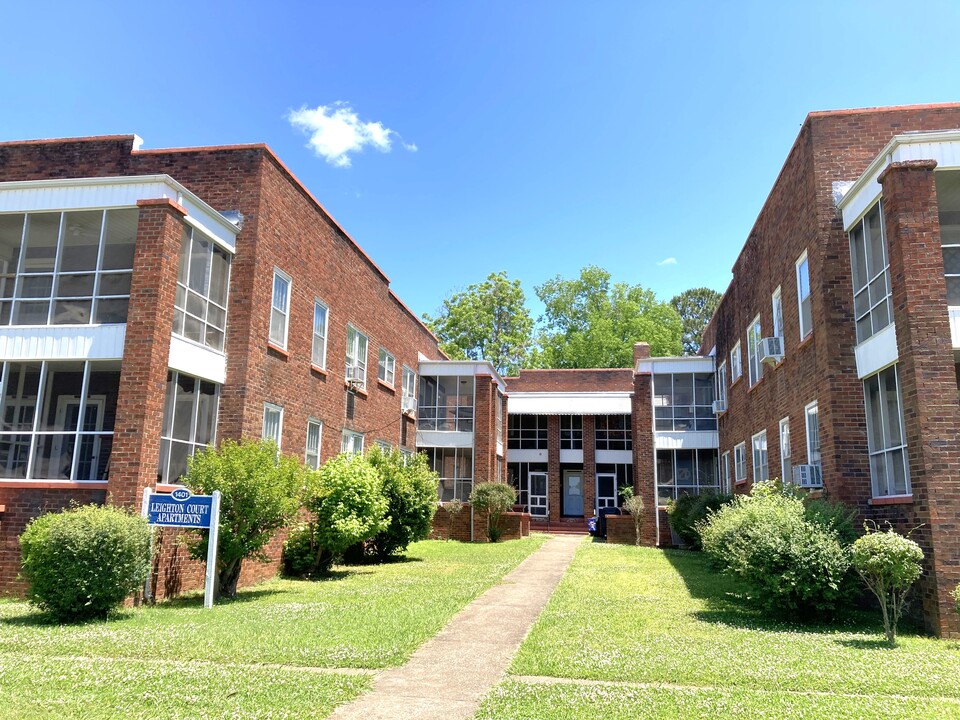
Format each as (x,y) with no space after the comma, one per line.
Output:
(449,675)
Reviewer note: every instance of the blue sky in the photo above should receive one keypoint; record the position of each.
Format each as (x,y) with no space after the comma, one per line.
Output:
(529,137)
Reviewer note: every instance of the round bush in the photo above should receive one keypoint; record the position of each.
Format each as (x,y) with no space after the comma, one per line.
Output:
(302,557)
(83,562)
(494,498)
(889,564)
(687,511)
(410,487)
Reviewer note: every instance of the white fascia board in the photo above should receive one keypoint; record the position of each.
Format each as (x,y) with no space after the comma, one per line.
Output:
(197,360)
(116,192)
(940,145)
(664,365)
(877,352)
(449,368)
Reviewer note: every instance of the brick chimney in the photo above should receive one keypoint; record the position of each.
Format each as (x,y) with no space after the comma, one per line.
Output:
(641,351)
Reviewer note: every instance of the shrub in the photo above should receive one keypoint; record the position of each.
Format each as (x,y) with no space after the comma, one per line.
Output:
(83,562)
(410,488)
(889,564)
(346,498)
(792,563)
(633,504)
(300,552)
(688,511)
(833,516)
(260,492)
(495,499)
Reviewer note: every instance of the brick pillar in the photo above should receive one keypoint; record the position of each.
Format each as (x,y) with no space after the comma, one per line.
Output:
(553,467)
(928,382)
(641,404)
(485,430)
(589,424)
(146,352)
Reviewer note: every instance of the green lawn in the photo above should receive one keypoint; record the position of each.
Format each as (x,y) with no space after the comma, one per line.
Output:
(677,640)
(178,660)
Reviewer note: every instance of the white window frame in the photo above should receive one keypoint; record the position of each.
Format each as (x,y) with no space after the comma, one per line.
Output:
(351,442)
(354,354)
(813,454)
(722,383)
(754,367)
(283,312)
(786,464)
(385,447)
(804,262)
(776,302)
(760,456)
(726,485)
(272,408)
(409,380)
(886,455)
(386,367)
(318,353)
(736,367)
(740,463)
(311,456)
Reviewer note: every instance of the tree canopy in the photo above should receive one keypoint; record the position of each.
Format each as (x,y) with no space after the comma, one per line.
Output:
(487,321)
(591,322)
(695,307)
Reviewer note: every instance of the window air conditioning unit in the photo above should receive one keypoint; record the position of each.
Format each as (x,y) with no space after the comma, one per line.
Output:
(807,476)
(771,349)
(719,406)
(354,375)
(408,405)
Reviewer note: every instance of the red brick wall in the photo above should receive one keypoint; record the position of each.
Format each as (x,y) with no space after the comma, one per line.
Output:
(621,530)
(447,526)
(581,380)
(644,454)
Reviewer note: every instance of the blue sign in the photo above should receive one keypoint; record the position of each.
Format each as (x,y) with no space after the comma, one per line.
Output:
(181,508)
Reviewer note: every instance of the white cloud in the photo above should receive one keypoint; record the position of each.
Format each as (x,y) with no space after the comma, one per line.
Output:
(336,131)
(668,261)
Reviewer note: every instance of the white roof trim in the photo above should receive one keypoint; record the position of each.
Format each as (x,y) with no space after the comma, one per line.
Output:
(115,192)
(569,403)
(449,368)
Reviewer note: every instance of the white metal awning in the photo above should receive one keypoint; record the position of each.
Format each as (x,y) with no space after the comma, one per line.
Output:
(569,403)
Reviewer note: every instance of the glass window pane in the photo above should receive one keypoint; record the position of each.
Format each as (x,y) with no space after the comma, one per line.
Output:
(11,235)
(200,251)
(40,251)
(75,285)
(206,413)
(31,313)
(953,291)
(219,276)
(71,312)
(183,408)
(14,454)
(120,237)
(93,457)
(81,240)
(115,284)
(53,456)
(951,260)
(61,396)
(858,254)
(892,431)
(103,387)
(111,311)
(877,258)
(35,286)
(179,454)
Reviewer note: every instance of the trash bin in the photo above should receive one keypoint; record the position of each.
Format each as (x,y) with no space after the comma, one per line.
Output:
(602,522)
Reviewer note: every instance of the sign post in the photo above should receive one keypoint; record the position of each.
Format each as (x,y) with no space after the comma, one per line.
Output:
(183,509)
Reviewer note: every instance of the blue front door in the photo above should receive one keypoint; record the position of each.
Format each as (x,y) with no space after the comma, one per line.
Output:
(573,493)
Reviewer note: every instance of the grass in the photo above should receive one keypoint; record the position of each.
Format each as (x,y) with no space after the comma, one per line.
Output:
(251,657)
(658,634)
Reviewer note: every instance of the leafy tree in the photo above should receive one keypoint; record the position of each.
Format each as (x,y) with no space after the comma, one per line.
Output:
(487,321)
(410,487)
(591,322)
(695,308)
(494,499)
(260,493)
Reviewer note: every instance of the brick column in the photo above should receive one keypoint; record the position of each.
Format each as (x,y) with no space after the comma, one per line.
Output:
(643,453)
(928,382)
(485,430)
(553,466)
(589,425)
(146,352)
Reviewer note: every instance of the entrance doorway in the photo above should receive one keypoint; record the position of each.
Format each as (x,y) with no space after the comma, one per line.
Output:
(573,493)
(537,495)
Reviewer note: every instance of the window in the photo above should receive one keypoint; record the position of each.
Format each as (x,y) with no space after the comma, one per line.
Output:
(280,308)
(318,356)
(754,367)
(356,356)
(686,472)
(736,370)
(777,301)
(805,307)
(786,467)
(66,268)
(273,423)
(203,279)
(722,383)
(409,383)
(726,486)
(499,423)
(351,442)
(571,432)
(445,403)
(740,462)
(812,421)
(385,447)
(760,470)
(950,243)
(885,435)
(613,432)
(386,367)
(314,433)
(872,303)
(527,432)
(189,422)
(455,468)
(683,401)
(57,419)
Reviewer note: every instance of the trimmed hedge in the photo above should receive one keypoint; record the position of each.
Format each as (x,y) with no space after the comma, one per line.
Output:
(84,562)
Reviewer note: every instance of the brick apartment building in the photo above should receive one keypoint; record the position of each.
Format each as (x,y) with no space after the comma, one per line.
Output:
(155,301)
(836,343)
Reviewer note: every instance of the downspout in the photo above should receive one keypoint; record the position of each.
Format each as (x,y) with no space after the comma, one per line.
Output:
(656,479)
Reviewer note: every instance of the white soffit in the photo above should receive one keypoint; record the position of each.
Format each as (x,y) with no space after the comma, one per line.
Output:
(664,365)
(569,403)
(116,192)
(942,146)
